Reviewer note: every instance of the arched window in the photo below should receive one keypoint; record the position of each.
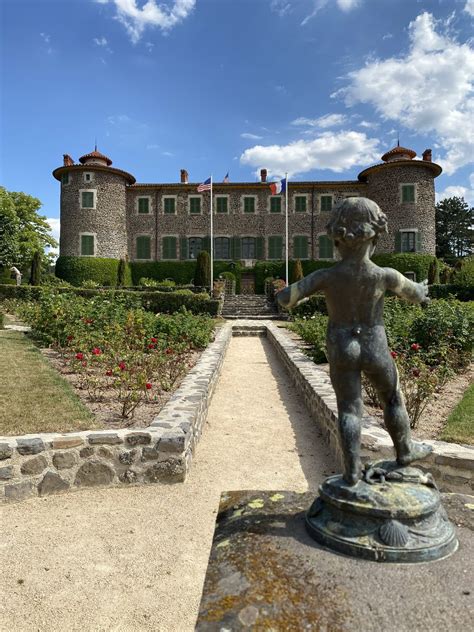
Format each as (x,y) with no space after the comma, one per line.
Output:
(194,247)
(222,248)
(248,247)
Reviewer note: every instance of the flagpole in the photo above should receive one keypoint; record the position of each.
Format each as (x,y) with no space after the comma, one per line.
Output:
(286,230)
(212,245)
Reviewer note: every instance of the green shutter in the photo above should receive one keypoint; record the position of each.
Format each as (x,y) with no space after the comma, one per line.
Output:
(221,205)
(143,205)
(275,247)
(169,206)
(300,247)
(408,192)
(326,203)
(206,243)
(249,205)
(195,206)
(418,242)
(87,199)
(398,241)
(236,248)
(275,205)
(260,248)
(169,248)
(65,178)
(143,247)
(87,245)
(325,247)
(183,248)
(300,204)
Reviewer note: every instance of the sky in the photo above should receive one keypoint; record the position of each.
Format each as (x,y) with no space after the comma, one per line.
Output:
(316,88)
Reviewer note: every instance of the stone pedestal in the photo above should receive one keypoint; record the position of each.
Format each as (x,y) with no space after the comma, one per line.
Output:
(394,515)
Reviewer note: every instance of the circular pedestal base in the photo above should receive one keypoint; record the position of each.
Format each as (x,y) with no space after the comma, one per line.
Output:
(397,520)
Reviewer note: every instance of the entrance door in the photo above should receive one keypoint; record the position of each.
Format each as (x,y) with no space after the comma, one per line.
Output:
(247,283)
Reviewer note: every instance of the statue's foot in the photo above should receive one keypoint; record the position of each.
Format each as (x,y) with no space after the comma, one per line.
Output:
(417,452)
(353,476)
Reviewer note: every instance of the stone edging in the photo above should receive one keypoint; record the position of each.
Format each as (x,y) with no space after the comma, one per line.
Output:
(42,464)
(451,464)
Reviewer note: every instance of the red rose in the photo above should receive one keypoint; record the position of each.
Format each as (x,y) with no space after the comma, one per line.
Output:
(416,372)
(79,356)
(148,386)
(169,351)
(70,338)
(108,373)
(394,354)
(122,366)
(96,351)
(415,346)
(151,346)
(154,339)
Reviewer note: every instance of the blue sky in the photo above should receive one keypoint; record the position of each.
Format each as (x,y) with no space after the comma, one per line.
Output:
(319,88)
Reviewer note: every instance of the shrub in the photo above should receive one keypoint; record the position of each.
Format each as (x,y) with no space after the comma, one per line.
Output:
(145,282)
(405,262)
(296,271)
(313,331)
(202,275)
(465,275)
(77,269)
(265,269)
(53,281)
(460,292)
(433,271)
(314,304)
(89,284)
(122,274)
(35,276)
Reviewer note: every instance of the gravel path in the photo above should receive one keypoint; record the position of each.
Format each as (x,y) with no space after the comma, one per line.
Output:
(135,558)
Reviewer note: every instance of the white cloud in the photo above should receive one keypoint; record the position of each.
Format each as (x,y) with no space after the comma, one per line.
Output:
(167,153)
(323,122)
(280,7)
(332,151)
(368,125)
(100,41)
(318,5)
(429,89)
(164,16)
(47,40)
(387,36)
(55,224)
(469,8)
(250,136)
(459,191)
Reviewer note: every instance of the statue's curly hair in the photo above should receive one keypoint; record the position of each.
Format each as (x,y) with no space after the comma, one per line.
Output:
(356,218)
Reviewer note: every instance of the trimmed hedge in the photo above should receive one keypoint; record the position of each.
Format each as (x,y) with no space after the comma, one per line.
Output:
(103,271)
(163,302)
(461,292)
(265,269)
(406,262)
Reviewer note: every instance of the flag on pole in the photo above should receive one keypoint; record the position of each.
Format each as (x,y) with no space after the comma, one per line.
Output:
(226,178)
(205,186)
(278,187)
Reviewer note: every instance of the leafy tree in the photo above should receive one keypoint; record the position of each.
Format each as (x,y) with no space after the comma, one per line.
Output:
(202,275)
(31,231)
(8,230)
(454,220)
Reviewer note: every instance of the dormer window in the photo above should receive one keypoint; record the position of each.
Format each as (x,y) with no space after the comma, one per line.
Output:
(88,177)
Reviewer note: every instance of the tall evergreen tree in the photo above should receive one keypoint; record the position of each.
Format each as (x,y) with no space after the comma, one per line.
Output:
(454,232)
(35,277)
(202,274)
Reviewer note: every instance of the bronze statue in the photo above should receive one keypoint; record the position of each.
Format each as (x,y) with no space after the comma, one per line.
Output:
(356,340)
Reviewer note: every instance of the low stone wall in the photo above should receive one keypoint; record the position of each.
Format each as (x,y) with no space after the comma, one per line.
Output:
(43,464)
(452,465)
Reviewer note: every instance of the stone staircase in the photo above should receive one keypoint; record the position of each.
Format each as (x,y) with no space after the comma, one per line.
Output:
(248,306)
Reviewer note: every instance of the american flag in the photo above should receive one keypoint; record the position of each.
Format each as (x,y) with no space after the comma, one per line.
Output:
(226,178)
(205,186)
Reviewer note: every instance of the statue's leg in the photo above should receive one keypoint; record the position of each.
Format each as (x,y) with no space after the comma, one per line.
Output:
(347,386)
(385,379)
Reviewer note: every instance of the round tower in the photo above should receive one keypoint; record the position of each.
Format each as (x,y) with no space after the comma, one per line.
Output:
(93,207)
(404,189)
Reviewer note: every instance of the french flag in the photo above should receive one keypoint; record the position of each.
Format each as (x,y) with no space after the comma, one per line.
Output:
(278,187)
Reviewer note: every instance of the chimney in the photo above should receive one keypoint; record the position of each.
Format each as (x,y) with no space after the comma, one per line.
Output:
(184,176)
(427,155)
(67,160)
(263,175)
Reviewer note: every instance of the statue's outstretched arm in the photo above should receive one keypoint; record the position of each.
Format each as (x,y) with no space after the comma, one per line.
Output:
(401,286)
(311,284)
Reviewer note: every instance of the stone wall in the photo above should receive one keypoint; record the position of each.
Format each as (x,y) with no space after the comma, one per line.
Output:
(452,465)
(45,464)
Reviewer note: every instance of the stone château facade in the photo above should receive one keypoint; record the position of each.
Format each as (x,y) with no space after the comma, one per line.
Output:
(106,213)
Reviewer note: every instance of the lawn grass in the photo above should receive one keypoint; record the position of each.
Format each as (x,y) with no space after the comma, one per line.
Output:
(460,424)
(33,396)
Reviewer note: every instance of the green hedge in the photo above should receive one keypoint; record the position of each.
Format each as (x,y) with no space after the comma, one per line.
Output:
(406,262)
(264,269)
(5,276)
(163,302)
(461,292)
(101,270)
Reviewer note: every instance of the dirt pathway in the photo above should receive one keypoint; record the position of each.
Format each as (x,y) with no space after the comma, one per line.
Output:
(135,558)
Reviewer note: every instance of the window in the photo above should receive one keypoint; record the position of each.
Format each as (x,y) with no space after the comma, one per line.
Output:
(195,205)
(221,205)
(408,192)
(325,247)
(87,245)
(248,248)
(275,204)
(88,199)
(88,177)
(326,203)
(408,241)
(169,250)
(300,203)
(275,247)
(144,247)
(169,205)
(222,248)
(143,205)
(410,275)
(249,205)
(300,247)
(194,247)
(65,178)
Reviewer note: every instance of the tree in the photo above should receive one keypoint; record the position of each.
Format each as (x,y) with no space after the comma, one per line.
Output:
(8,230)
(121,272)
(297,271)
(35,276)
(202,274)
(30,232)
(454,221)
